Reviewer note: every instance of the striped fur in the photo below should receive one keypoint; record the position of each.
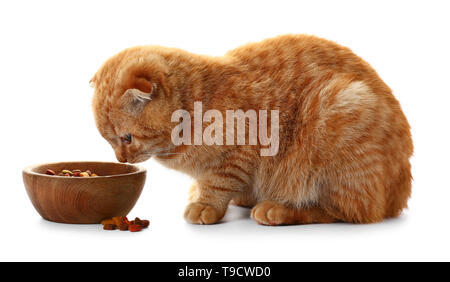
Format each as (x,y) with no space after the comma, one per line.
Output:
(344,142)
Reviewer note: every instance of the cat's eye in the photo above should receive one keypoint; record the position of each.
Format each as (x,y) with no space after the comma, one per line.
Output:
(126,139)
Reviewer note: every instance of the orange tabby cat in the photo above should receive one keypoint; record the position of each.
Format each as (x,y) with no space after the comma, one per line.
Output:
(344,143)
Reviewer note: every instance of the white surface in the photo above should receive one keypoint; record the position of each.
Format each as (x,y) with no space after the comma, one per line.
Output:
(50,50)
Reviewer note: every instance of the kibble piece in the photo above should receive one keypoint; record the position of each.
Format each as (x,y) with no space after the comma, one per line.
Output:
(84,174)
(109,227)
(134,228)
(50,172)
(119,219)
(137,221)
(66,171)
(145,223)
(123,226)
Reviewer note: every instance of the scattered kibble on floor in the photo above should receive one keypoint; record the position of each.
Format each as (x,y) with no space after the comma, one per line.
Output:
(123,224)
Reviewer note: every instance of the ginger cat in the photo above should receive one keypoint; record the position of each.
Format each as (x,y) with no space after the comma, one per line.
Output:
(344,142)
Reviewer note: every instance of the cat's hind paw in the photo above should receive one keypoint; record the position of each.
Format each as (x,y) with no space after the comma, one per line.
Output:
(198,213)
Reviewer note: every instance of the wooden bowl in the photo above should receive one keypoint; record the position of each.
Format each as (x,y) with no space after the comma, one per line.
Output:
(84,199)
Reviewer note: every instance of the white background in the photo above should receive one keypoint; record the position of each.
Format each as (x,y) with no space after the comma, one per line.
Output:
(50,49)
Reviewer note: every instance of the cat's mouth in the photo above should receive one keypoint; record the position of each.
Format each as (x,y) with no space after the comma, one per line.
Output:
(139,159)
(164,152)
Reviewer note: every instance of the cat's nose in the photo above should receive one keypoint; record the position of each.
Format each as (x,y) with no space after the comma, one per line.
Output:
(121,157)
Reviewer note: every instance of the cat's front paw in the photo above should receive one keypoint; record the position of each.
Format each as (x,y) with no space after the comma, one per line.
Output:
(199,213)
(269,213)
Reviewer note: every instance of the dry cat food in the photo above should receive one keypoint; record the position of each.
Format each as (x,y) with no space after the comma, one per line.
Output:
(71,173)
(123,224)
(109,227)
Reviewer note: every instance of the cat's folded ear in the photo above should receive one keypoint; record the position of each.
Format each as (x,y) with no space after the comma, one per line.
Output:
(134,100)
(143,80)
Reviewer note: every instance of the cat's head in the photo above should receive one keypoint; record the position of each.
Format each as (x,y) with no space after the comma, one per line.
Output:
(133,104)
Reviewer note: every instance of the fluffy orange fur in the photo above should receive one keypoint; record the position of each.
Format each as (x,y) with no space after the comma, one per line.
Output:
(344,142)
